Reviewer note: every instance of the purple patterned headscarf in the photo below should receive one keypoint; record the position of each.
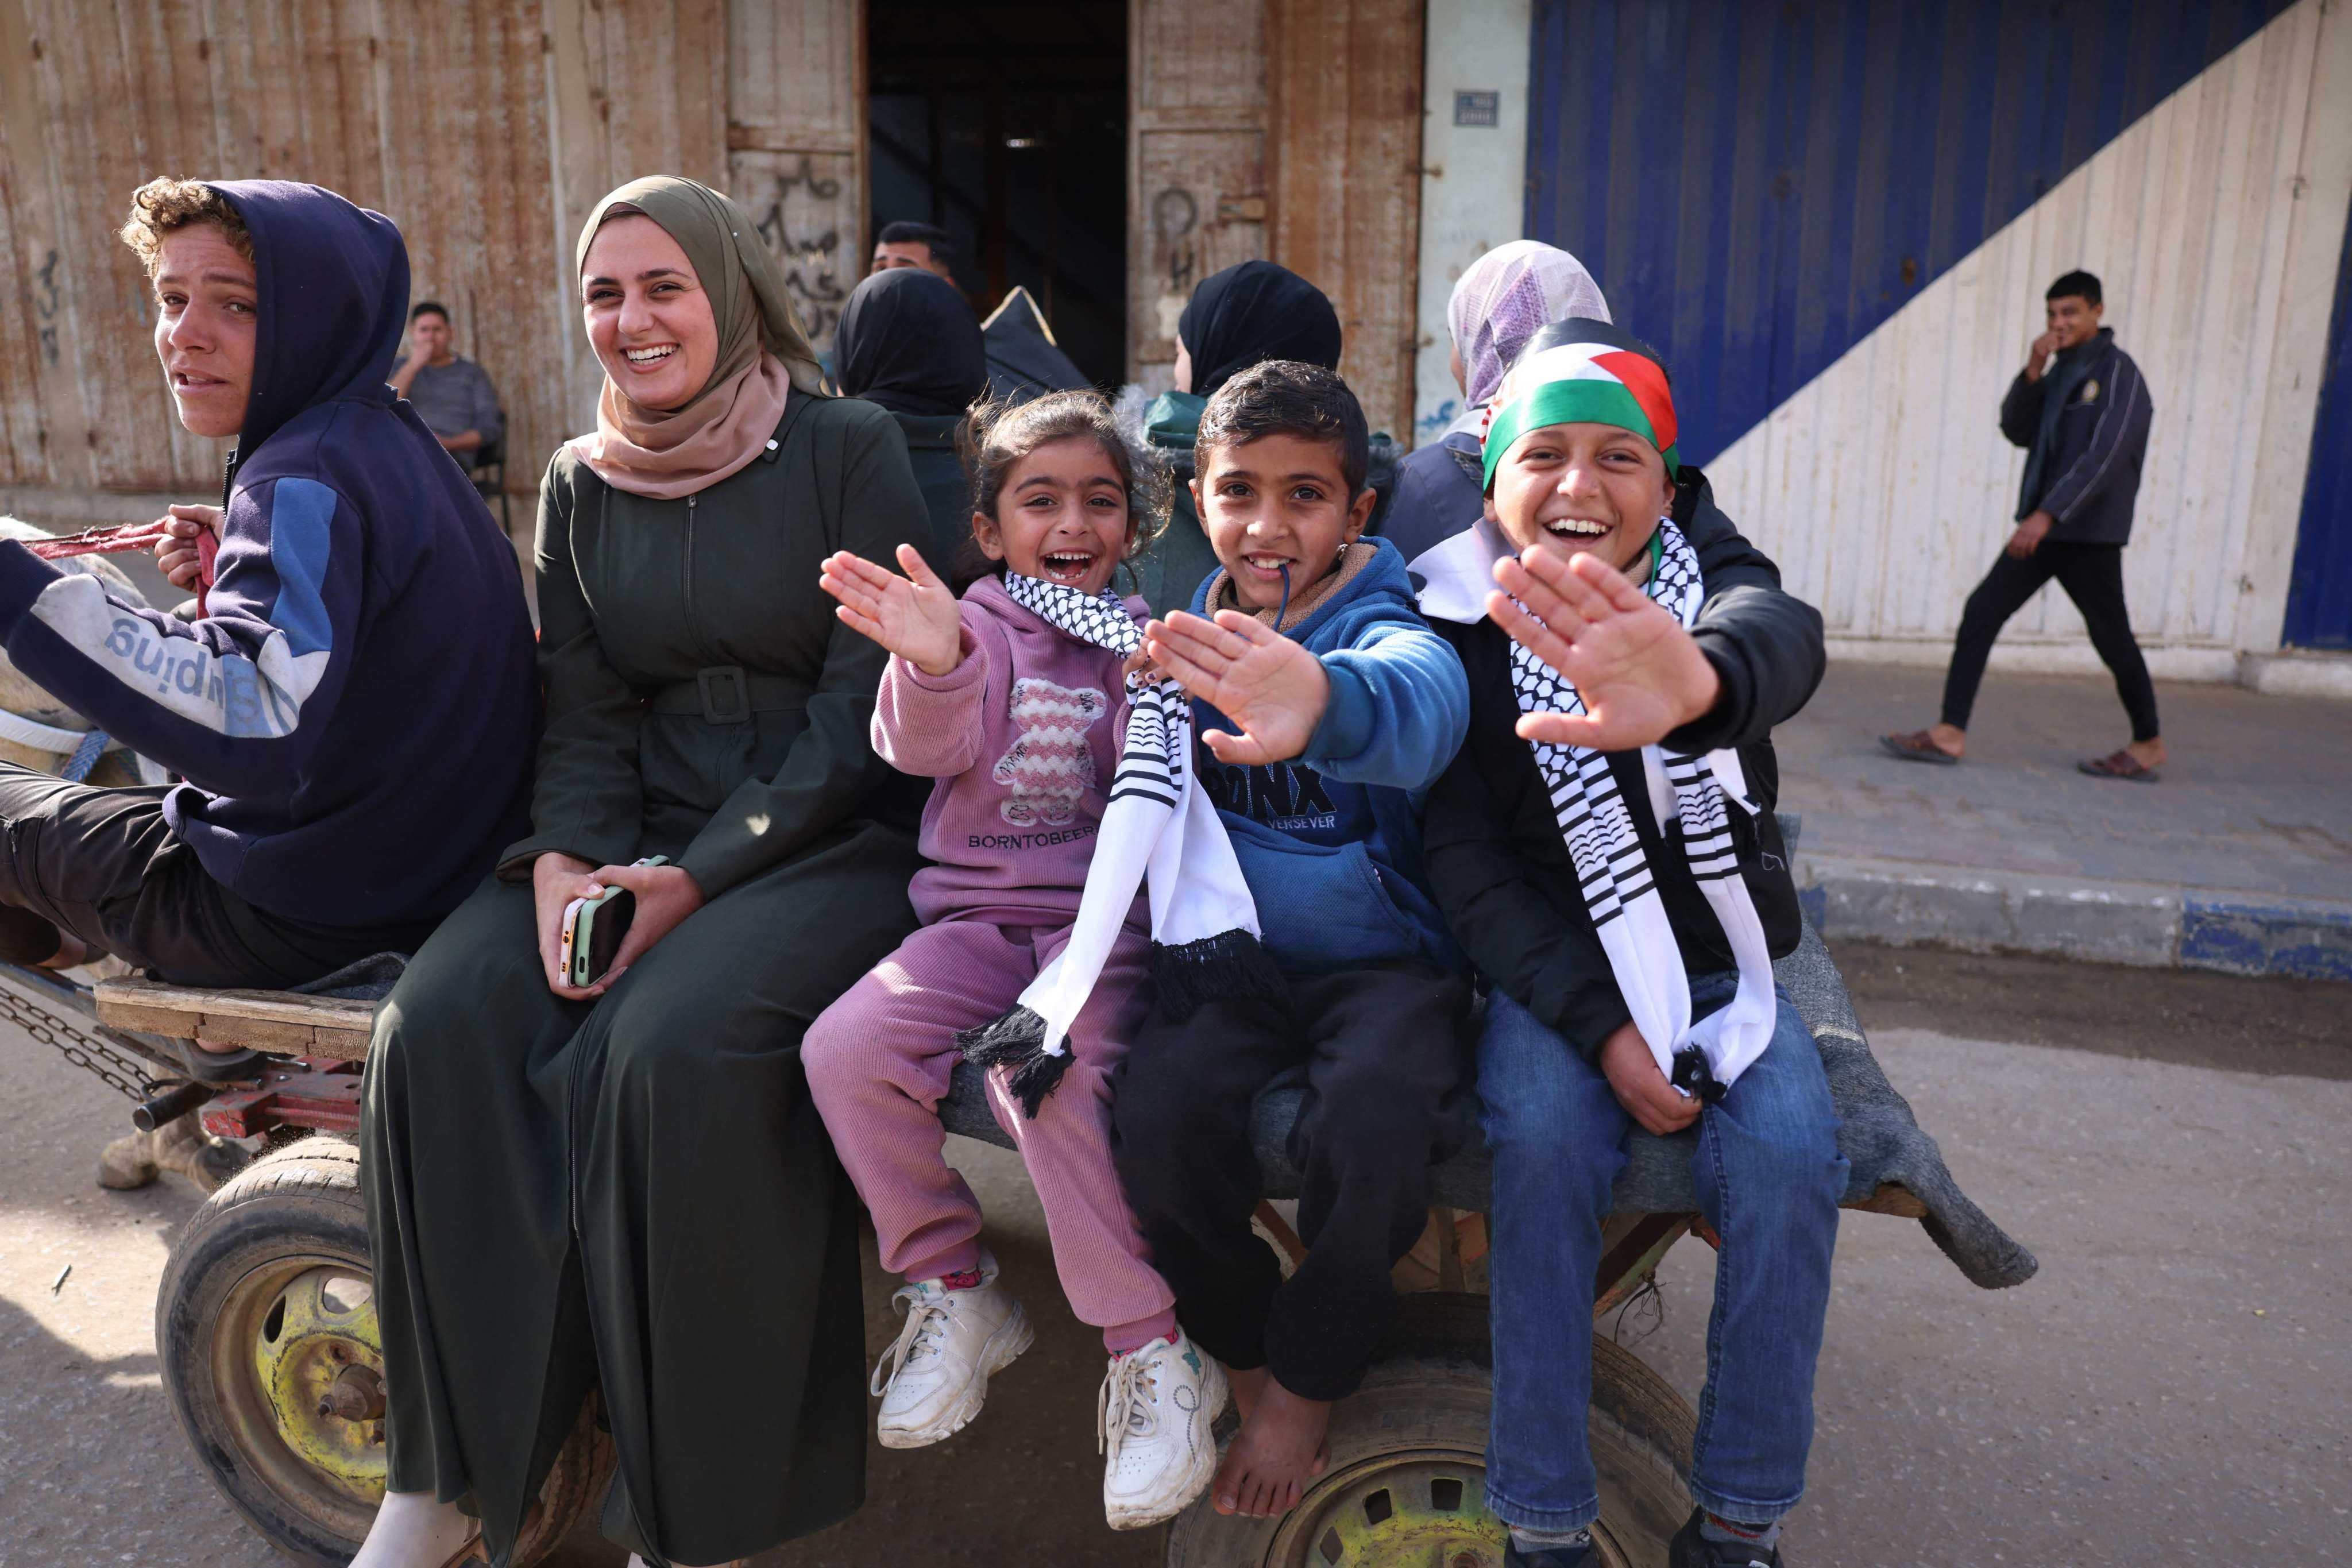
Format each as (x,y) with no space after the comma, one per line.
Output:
(1505,298)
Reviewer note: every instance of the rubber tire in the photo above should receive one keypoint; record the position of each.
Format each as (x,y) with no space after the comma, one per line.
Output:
(304,1200)
(1431,1386)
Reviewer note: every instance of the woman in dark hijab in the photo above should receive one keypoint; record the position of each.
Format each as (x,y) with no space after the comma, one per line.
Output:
(1243,316)
(908,342)
(1246,315)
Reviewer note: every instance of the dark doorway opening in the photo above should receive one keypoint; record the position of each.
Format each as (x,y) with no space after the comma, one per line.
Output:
(1006,126)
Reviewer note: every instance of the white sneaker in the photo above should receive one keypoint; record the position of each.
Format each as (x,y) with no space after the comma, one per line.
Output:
(953,1343)
(1155,1408)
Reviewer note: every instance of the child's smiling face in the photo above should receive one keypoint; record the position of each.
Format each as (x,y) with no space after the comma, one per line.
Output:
(1061,516)
(1587,487)
(1279,502)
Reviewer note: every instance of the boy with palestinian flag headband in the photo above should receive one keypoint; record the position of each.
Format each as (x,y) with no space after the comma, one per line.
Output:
(1604,850)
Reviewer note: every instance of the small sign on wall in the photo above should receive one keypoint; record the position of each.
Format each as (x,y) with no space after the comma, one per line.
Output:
(1477,109)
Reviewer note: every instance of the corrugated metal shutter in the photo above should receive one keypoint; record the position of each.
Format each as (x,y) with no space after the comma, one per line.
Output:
(1758,186)
(2319,601)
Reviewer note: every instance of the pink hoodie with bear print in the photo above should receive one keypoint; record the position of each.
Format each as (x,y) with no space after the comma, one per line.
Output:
(1024,736)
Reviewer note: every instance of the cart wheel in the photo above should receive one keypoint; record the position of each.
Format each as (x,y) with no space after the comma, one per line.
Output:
(274,1364)
(1407,1481)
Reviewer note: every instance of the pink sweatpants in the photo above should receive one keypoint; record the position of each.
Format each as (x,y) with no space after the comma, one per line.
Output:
(878,1062)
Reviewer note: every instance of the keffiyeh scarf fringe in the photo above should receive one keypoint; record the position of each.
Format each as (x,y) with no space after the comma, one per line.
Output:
(1699,794)
(1160,832)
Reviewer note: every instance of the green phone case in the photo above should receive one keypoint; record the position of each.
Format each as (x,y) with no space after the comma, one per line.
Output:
(588,965)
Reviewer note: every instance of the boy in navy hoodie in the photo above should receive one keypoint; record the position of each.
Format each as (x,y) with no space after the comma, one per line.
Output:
(354,710)
(1328,706)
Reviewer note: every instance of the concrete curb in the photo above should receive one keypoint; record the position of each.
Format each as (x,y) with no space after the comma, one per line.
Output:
(1906,903)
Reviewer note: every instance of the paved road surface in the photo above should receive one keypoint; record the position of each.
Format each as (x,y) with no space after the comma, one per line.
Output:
(2171,1389)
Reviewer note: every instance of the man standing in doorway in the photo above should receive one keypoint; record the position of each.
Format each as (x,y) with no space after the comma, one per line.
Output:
(454,396)
(909,244)
(2081,410)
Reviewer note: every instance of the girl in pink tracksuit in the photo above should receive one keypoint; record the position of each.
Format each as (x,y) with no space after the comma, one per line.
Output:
(1022,723)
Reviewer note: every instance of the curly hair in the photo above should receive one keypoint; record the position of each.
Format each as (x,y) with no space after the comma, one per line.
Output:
(164,206)
(997,435)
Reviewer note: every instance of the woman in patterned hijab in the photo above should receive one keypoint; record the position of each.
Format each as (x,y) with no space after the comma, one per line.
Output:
(1504,299)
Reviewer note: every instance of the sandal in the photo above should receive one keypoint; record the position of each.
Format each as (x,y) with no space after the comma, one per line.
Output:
(1918,747)
(2120,765)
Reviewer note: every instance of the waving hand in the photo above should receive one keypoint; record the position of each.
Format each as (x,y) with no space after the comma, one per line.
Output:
(914,616)
(1641,675)
(1270,686)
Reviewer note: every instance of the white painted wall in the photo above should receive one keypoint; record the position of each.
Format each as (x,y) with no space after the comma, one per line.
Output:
(1884,488)
(1474,178)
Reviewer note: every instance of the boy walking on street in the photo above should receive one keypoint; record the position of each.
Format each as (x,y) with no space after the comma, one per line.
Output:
(1604,849)
(2081,409)
(1328,706)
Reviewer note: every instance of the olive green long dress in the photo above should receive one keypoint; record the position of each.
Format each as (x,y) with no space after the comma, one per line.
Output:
(637,1193)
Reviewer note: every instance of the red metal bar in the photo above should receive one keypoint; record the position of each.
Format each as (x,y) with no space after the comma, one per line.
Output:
(314,1093)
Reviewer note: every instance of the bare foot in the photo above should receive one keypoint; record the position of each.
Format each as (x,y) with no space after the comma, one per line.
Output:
(1949,739)
(2148,753)
(1277,1451)
(1246,1384)
(71,950)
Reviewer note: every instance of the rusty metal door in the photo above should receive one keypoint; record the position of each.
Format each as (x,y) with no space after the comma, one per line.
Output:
(1344,158)
(1197,165)
(1288,128)
(796,144)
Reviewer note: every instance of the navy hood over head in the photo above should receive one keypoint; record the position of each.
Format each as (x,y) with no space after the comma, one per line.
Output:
(356,712)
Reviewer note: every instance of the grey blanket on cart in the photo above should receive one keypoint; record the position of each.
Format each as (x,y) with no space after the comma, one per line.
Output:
(1881,1139)
(1879,1136)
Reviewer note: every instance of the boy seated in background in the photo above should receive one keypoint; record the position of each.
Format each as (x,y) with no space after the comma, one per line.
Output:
(1604,849)
(1328,706)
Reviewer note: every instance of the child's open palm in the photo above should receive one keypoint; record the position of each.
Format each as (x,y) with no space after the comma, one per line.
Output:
(914,616)
(1640,674)
(1270,687)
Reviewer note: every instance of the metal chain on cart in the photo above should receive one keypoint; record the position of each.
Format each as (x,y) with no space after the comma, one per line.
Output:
(110,1063)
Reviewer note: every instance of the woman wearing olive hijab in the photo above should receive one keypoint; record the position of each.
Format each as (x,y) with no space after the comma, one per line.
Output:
(625,1187)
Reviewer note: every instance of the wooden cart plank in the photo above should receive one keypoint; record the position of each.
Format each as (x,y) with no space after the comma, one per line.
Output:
(277,1021)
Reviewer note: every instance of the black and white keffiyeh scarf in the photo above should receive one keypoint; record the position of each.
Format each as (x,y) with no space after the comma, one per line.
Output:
(1697,791)
(1158,830)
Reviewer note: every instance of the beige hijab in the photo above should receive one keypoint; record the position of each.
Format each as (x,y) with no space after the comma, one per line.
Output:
(763,355)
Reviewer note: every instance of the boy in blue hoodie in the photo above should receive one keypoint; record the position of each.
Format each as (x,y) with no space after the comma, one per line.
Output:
(354,710)
(1328,707)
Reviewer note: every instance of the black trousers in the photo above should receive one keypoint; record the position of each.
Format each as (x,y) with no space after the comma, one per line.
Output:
(2093,576)
(104,865)
(1386,1054)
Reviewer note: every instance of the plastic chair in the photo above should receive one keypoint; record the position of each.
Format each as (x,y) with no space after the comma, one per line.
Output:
(488,472)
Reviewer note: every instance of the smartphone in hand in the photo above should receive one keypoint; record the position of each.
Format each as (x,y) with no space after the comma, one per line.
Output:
(593,929)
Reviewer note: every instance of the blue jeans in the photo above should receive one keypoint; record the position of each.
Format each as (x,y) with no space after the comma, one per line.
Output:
(1770,1177)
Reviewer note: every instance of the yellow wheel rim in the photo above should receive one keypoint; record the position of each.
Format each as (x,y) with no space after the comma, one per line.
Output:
(319,1363)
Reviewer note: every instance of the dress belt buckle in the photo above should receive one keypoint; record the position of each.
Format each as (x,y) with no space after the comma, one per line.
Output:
(726,696)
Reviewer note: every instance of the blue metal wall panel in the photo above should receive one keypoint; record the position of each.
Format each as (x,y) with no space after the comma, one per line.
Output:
(2319,595)
(1757,186)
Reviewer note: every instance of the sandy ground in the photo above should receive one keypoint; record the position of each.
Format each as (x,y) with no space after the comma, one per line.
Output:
(2170,1389)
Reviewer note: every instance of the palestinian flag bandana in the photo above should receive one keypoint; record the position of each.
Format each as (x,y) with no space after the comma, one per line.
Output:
(1589,372)
(1582,373)
(1160,830)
